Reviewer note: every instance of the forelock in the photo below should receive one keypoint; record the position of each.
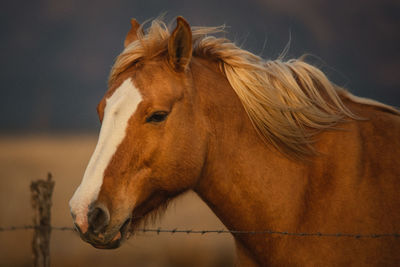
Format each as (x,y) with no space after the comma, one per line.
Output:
(153,42)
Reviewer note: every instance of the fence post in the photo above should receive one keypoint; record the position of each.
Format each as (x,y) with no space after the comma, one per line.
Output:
(41,192)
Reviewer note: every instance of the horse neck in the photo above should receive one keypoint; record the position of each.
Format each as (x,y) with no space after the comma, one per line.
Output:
(242,175)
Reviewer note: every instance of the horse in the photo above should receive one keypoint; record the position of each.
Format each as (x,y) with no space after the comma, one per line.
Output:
(266,144)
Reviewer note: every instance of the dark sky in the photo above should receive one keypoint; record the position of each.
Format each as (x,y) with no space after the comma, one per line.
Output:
(56,55)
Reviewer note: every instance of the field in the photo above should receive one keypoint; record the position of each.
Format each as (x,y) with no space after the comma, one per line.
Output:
(23,159)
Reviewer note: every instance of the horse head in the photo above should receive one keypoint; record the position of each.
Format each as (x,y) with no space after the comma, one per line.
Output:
(151,145)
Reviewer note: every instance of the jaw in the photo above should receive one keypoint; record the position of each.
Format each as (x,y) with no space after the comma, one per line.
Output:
(149,211)
(138,203)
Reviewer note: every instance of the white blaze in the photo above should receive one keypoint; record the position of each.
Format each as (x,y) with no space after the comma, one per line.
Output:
(119,108)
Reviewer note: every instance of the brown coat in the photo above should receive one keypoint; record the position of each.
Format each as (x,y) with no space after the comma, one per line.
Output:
(191,131)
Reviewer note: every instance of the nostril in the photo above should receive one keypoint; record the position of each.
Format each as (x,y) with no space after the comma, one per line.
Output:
(98,219)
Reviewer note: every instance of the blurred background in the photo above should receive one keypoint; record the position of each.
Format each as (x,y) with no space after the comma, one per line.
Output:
(55,60)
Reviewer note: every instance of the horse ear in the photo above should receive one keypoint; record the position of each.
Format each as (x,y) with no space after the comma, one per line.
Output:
(180,45)
(133,33)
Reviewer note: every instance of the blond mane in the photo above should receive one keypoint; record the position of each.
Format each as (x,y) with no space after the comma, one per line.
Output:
(288,102)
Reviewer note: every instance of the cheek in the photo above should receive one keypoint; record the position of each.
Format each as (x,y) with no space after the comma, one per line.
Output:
(178,157)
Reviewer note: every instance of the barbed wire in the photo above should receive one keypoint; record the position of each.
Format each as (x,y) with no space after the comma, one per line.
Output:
(203,232)
(27,227)
(271,232)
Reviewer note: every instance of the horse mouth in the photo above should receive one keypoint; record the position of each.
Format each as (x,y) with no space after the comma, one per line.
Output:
(117,240)
(128,228)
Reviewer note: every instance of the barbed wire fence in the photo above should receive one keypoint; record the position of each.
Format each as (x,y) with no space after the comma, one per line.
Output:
(41,195)
(222,231)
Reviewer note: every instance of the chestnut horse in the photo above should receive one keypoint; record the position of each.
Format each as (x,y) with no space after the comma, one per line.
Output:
(266,144)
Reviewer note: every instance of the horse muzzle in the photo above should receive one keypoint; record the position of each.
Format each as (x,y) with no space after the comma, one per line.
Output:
(97,231)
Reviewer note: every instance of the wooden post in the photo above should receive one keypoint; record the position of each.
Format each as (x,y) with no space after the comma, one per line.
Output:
(41,192)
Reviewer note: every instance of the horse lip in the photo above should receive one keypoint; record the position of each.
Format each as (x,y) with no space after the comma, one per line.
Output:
(125,227)
(115,242)
(111,245)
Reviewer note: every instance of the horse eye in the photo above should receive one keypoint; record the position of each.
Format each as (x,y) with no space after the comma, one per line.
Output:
(157,116)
